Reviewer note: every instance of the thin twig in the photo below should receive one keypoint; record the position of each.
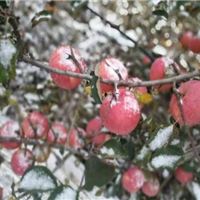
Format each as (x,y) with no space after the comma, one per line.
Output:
(128,83)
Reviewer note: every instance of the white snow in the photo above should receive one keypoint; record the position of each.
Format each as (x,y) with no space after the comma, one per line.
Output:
(195,190)
(161,138)
(143,152)
(164,161)
(37,181)
(67,193)
(7,50)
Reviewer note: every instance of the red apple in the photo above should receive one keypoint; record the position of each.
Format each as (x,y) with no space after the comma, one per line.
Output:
(194,45)
(21,160)
(183,176)
(110,69)
(35,125)
(10,129)
(57,133)
(120,113)
(190,102)
(68,59)
(161,68)
(146,60)
(186,38)
(75,138)
(133,179)
(94,126)
(100,139)
(151,187)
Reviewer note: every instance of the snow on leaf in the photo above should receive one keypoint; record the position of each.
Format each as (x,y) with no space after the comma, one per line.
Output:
(61,193)
(143,152)
(7,51)
(161,138)
(37,178)
(165,161)
(195,190)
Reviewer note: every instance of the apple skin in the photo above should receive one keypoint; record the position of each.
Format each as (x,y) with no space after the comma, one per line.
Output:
(10,129)
(183,176)
(133,179)
(39,122)
(185,39)
(94,126)
(120,113)
(151,187)
(21,160)
(100,139)
(194,45)
(60,132)
(110,69)
(61,59)
(75,138)
(190,95)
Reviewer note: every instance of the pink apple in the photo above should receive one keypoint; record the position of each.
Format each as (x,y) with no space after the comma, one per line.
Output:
(183,176)
(94,126)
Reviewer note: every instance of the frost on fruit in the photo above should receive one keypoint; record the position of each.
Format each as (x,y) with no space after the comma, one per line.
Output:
(161,138)
(37,178)
(165,161)
(120,114)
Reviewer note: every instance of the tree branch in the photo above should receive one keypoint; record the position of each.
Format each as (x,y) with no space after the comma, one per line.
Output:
(173,79)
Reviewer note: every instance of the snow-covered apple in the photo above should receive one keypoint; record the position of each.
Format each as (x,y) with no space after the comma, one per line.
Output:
(110,69)
(189,101)
(35,125)
(68,59)
(120,112)
(57,133)
(10,129)
(21,160)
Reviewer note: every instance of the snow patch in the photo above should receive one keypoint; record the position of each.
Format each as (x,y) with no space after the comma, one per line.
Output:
(143,152)
(67,193)
(7,50)
(195,190)
(165,161)
(161,138)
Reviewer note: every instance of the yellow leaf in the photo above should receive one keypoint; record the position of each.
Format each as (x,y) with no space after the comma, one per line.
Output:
(88,90)
(144,98)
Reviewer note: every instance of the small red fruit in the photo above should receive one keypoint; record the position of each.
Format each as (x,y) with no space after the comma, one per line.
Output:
(35,125)
(162,68)
(94,126)
(110,69)
(68,59)
(194,45)
(57,133)
(133,179)
(120,113)
(186,38)
(10,129)
(21,160)
(100,139)
(146,60)
(75,138)
(183,176)
(190,102)
(151,187)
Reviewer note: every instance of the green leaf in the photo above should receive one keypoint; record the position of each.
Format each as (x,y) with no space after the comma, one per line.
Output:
(116,146)
(95,93)
(8,58)
(97,173)
(63,192)
(41,17)
(37,179)
(161,13)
